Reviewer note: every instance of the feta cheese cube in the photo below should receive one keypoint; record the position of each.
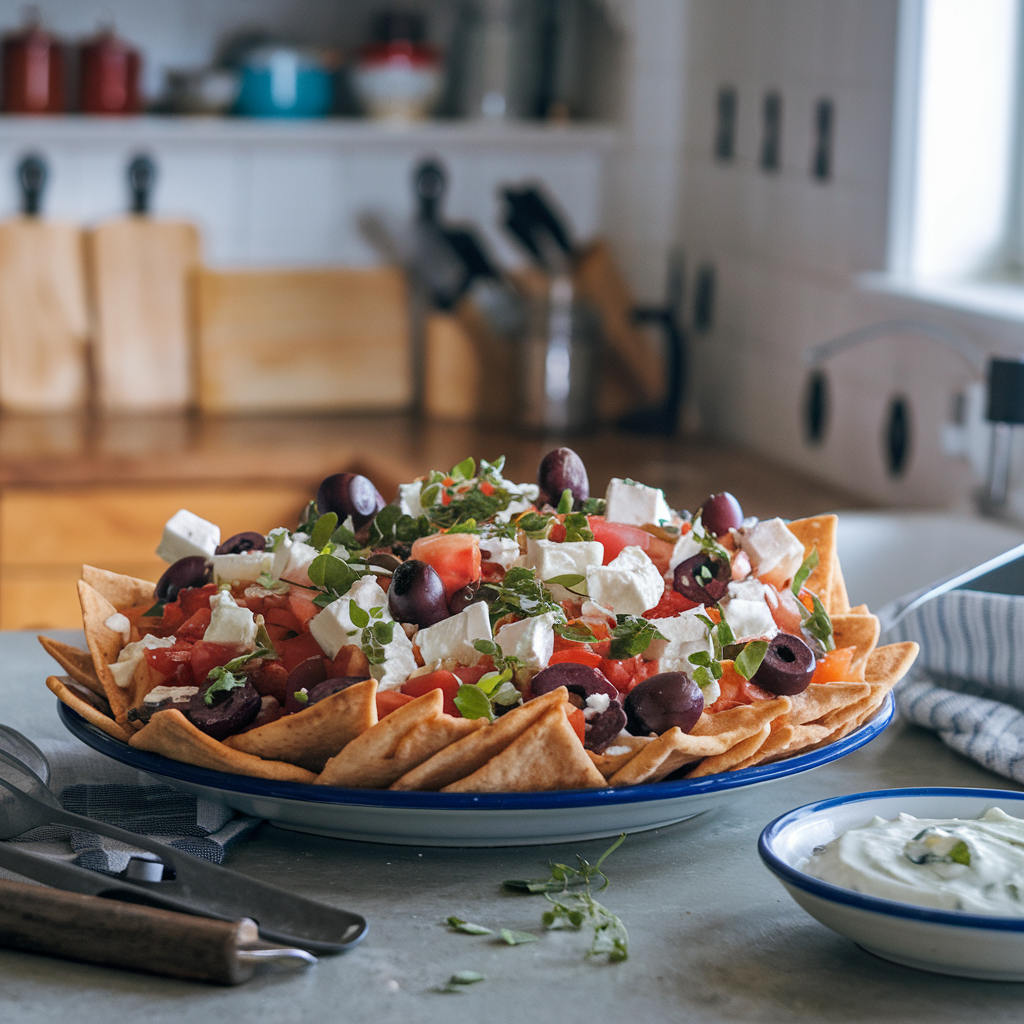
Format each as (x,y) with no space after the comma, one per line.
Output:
(747,611)
(452,639)
(503,551)
(409,499)
(549,559)
(230,623)
(635,504)
(333,628)
(686,547)
(131,654)
(187,534)
(628,585)
(399,662)
(684,634)
(531,640)
(291,560)
(773,551)
(247,566)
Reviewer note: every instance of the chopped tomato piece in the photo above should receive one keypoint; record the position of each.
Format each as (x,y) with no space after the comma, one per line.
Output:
(166,660)
(195,627)
(282,617)
(486,487)
(736,691)
(474,673)
(806,600)
(557,533)
(616,536)
(271,680)
(302,607)
(660,553)
(834,667)
(173,616)
(454,556)
(206,655)
(349,661)
(625,673)
(787,613)
(278,634)
(671,604)
(581,655)
(390,700)
(447,682)
(297,649)
(194,598)
(713,614)
(578,722)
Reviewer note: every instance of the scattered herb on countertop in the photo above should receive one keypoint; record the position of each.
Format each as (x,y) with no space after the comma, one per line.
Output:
(466,927)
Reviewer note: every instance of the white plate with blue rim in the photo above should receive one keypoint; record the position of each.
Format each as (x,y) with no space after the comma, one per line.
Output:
(468,819)
(943,941)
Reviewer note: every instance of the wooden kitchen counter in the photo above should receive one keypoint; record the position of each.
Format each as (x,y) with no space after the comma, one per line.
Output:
(82,489)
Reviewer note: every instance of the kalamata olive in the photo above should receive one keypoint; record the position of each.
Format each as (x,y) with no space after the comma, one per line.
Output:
(559,470)
(401,551)
(242,542)
(580,680)
(90,697)
(190,571)
(329,687)
(663,701)
(231,710)
(416,594)
(349,494)
(304,676)
(603,727)
(787,667)
(270,711)
(721,513)
(472,593)
(702,578)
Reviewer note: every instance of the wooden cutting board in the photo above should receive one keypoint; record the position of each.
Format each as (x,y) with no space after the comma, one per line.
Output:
(303,340)
(141,275)
(43,316)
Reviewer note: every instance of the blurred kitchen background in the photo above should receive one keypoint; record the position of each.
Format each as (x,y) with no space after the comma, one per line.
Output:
(764,245)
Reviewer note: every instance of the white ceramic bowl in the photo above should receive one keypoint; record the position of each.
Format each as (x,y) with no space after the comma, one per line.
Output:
(948,942)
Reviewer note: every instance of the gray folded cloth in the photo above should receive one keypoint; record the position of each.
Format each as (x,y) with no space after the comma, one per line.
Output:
(88,783)
(968,682)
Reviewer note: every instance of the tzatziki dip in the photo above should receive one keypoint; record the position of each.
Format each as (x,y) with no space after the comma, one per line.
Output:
(971,864)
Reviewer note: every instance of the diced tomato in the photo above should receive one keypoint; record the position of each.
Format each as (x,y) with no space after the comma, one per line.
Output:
(447,682)
(166,660)
(713,614)
(578,722)
(278,634)
(834,667)
(557,533)
(616,536)
(660,553)
(454,556)
(194,598)
(271,680)
(282,617)
(301,605)
(787,613)
(806,600)
(173,616)
(581,655)
(625,673)
(390,700)
(297,649)
(671,604)
(486,487)
(474,673)
(349,661)
(736,691)
(194,627)
(206,655)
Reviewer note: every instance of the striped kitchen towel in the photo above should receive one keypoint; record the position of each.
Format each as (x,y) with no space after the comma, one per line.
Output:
(968,682)
(88,783)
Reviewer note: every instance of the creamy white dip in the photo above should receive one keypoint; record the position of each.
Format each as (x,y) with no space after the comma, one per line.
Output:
(975,865)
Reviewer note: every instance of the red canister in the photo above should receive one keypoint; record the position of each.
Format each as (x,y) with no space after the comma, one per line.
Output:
(110,76)
(33,72)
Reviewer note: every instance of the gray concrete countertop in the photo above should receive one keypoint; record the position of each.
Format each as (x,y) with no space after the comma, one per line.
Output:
(713,936)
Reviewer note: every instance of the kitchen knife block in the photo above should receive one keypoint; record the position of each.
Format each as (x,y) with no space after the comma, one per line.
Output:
(302,341)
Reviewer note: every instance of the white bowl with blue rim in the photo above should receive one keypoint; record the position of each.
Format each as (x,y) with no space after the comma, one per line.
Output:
(945,941)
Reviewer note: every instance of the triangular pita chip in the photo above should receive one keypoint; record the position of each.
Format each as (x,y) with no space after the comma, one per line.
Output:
(818,533)
(860,632)
(88,711)
(547,756)
(732,759)
(77,663)
(891,663)
(121,591)
(466,755)
(170,733)
(398,742)
(820,699)
(311,737)
(105,645)
(627,746)
(861,609)
(718,734)
(838,602)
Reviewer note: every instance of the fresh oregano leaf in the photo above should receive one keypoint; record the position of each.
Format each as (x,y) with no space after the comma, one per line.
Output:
(514,938)
(809,564)
(467,927)
(748,661)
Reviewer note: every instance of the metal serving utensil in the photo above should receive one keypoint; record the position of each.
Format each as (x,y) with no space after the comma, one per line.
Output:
(177,881)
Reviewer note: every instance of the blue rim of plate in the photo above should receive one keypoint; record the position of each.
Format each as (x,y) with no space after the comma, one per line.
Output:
(157,764)
(876,904)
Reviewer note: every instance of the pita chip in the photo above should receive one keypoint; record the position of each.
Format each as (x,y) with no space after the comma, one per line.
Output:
(732,759)
(105,644)
(818,533)
(547,756)
(89,711)
(891,663)
(170,733)
(820,699)
(860,632)
(312,736)
(861,609)
(717,734)
(627,746)
(838,602)
(77,663)
(466,755)
(121,591)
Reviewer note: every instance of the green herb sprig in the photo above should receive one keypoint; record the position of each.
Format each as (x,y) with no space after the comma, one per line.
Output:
(632,636)
(376,633)
(809,564)
(521,593)
(225,678)
(819,625)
